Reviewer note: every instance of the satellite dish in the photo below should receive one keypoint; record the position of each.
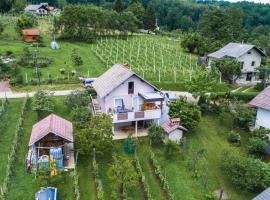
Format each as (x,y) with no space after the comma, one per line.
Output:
(54,45)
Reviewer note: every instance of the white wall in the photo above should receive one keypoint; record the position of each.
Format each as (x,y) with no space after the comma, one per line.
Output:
(263,118)
(176,135)
(248,59)
(122,91)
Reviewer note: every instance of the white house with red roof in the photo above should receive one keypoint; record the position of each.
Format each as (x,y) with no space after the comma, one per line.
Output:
(132,102)
(173,130)
(51,138)
(262,103)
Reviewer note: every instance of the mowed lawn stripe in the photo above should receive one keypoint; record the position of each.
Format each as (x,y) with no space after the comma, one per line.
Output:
(7,132)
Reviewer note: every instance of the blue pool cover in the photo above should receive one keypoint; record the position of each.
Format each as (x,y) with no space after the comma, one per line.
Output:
(49,193)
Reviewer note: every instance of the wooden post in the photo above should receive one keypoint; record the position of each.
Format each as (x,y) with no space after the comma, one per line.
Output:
(136,128)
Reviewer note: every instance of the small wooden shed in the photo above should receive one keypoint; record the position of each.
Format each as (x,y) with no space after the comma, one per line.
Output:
(30,35)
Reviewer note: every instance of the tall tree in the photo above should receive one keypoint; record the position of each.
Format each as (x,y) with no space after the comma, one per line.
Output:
(118,6)
(150,18)
(42,103)
(229,68)
(19,5)
(123,175)
(98,135)
(138,10)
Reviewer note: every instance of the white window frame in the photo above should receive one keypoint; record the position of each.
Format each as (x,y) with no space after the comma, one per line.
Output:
(117,99)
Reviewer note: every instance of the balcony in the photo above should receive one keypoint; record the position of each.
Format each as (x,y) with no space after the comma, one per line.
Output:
(136,116)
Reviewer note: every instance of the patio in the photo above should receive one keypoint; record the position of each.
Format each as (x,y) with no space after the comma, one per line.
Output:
(122,134)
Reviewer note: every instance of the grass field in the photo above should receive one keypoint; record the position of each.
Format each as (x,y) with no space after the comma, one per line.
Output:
(7,132)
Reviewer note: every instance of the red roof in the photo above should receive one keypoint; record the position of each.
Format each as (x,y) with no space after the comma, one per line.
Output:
(33,32)
(170,127)
(262,100)
(51,124)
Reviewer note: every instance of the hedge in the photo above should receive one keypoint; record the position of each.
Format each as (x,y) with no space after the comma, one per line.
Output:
(244,96)
(162,178)
(141,174)
(14,150)
(76,184)
(99,190)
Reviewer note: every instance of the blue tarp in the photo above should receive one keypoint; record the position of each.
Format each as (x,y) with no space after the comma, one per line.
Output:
(58,156)
(49,193)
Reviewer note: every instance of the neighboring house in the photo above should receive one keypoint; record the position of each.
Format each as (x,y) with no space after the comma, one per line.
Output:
(30,35)
(262,103)
(249,57)
(40,9)
(133,102)
(265,195)
(51,140)
(173,130)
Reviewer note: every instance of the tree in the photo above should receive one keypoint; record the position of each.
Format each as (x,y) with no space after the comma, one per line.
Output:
(5,5)
(171,149)
(42,103)
(97,135)
(118,6)
(81,116)
(18,5)
(246,172)
(77,98)
(24,22)
(155,133)
(189,113)
(242,116)
(229,68)
(257,146)
(1,28)
(138,10)
(150,18)
(76,58)
(123,175)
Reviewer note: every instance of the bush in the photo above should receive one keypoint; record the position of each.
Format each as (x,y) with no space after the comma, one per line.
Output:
(260,133)
(240,96)
(77,99)
(243,116)
(155,133)
(246,172)
(257,146)
(171,149)
(234,137)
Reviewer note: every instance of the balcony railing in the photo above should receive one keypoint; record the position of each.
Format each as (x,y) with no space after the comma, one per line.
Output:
(139,115)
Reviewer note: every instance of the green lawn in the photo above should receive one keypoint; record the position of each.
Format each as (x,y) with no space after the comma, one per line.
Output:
(7,132)
(211,136)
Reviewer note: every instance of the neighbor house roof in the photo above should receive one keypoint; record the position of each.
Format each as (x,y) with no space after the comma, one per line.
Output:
(32,32)
(34,7)
(234,50)
(112,78)
(262,100)
(265,195)
(51,124)
(170,127)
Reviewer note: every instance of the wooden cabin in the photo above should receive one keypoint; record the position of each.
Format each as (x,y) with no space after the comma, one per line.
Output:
(30,35)
(52,137)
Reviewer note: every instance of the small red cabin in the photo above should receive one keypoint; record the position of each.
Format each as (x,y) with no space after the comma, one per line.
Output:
(30,35)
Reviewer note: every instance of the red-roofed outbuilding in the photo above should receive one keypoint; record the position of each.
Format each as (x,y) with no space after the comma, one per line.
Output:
(30,35)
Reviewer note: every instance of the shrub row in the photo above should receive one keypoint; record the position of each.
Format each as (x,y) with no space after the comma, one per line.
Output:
(14,150)
(162,178)
(3,107)
(244,96)
(76,184)
(141,174)
(100,193)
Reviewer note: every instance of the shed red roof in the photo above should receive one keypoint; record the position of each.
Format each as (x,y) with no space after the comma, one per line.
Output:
(51,124)
(170,127)
(262,100)
(33,32)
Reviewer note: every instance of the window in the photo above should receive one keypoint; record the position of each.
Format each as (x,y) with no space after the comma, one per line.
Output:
(253,63)
(130,87)
(249,52)
(242,65)
(118,103)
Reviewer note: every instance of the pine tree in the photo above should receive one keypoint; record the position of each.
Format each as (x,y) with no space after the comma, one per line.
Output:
(150,18)
(118,6)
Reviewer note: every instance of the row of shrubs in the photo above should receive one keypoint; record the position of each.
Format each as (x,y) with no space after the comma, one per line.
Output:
(3,107)
(99,190)
(75,177)
(141,174)
(14,150)
(240,96)
(61,80)
(162,178)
